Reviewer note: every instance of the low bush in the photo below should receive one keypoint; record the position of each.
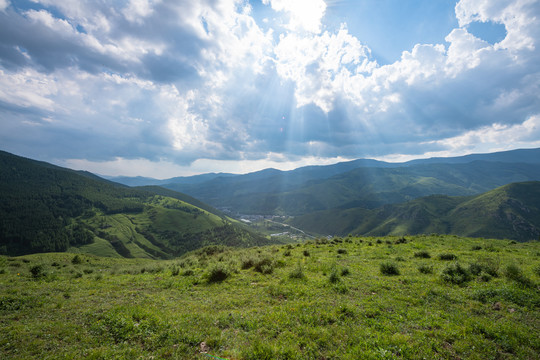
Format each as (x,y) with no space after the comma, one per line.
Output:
(425,269)
(306,253)
(38,271)
(341,251)
(514,272)
(218,273)
(447,256)
(247,262)
(297,273)
(537,270)
(76,260)
(389,268)
(455,274)
(334,276)
(401,240)
(264,265)
(424,254)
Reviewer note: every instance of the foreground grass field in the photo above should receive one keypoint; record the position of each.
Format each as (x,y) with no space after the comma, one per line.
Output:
(423,297)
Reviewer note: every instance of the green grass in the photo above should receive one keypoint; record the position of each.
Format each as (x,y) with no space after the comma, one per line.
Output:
(328,305)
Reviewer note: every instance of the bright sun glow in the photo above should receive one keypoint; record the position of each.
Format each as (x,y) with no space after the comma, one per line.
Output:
(304,14)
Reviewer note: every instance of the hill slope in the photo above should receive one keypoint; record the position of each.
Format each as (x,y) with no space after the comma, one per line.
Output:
(274,192)
(48,208)
(511,211)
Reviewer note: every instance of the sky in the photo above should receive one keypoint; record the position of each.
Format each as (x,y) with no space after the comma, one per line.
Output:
(164,88)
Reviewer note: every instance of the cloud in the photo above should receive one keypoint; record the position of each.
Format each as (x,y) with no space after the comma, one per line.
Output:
(304,15)
(172,82)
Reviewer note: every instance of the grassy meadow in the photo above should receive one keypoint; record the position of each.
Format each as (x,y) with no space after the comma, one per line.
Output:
(420,297)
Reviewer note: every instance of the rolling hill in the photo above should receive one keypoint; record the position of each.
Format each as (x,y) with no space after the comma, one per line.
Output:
(511,211)
(46,208)
(275,192)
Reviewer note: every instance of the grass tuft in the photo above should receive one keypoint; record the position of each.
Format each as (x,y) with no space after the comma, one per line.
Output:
(388,268)
(455,274)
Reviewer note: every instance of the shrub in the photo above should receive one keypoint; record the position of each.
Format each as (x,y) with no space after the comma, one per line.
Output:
(389,268)
(455,274)
(76,260)
(447,256)
(287,253)
(424,254)
(514,272)
(334,276)
(297,272)
(218,273)
(175,271)
(264,265)
(188,272)
(247,263)
(306,253)
(37,271)
(342,251)
(476,248)
(425,269)
(401,240)
(537,270)
(345,272)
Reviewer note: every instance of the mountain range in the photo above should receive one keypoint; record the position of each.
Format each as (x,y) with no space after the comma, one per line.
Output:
(360,183)
(46,208)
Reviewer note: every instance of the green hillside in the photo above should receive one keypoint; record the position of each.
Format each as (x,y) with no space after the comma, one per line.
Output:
(46,208)
(298,193)
(419,297)
(511,211)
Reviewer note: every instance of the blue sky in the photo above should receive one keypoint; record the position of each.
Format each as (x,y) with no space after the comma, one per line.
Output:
(166,88)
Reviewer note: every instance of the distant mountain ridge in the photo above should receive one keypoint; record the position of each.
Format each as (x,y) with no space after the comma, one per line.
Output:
(46,208)
(511,211)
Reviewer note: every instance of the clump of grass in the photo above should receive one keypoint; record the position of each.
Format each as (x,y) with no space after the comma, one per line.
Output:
(345,272)
(247,262)
(287,253)
(476,248)
(76,260)
(447,256)
(38,271)
(537,270)
(306,253)
(264,265)
(388,268)
(455,274)
(297,273)
(401,240)
(188,272)
(423,254)
(425,269)
(175,271)
(334,276)
(217,273)
(341,251)
(514,272)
